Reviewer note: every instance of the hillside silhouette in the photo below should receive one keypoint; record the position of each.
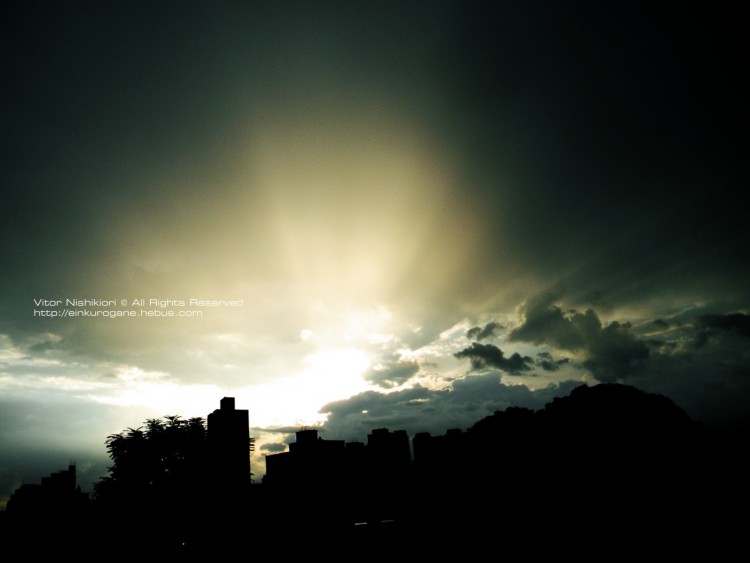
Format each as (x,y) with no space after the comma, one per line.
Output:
(608,461)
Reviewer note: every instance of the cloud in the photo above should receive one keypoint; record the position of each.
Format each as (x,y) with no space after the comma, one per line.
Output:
(734,322)
(715,326)
(480,333)
(704,366)
(276,429)
(545,323)
(419,409)
(547,363)
(273,448)
(611,352)
(615,353)
(489,355)
(699,358)
(392,373)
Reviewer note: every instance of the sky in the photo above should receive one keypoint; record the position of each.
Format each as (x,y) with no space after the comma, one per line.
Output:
(390,214)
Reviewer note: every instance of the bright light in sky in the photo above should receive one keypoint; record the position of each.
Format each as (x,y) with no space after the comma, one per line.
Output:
(330,374)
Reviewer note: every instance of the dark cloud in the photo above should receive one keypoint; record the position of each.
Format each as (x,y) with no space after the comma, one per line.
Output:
(547,363)
(615,354)
(545,323)
(273,448)
(720,326)
(392,373)
(354,417)
(489,355)
(611,352)
(705,368)
(419,409)
(702,362)
(480,333)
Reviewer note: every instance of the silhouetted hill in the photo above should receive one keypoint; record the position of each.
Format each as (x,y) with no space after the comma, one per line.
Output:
(605,409)
(608,425)
(616,408)
(609,461)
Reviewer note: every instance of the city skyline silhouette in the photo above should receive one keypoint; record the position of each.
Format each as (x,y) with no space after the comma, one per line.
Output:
(613,449)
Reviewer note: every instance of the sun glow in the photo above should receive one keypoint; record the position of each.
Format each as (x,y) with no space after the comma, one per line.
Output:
(322,228)
(330,374)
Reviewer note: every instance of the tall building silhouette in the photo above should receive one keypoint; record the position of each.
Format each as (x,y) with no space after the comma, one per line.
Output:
(229,444)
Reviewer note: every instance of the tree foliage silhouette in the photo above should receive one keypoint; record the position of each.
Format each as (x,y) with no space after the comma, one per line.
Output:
(167,468)
(155,465)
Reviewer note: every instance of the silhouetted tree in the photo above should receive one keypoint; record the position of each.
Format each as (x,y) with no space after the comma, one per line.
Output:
(163,464)
(159,467)
(165,468)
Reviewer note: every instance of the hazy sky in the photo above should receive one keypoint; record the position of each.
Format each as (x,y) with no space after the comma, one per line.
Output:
(428,211)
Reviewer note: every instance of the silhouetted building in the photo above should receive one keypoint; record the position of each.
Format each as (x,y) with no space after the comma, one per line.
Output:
(389,452)
(57,498)
(350,482)
(310,460)
(229,446)
(387,456)
(432,453)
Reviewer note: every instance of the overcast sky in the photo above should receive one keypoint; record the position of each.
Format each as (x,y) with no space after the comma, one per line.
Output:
(427,211)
